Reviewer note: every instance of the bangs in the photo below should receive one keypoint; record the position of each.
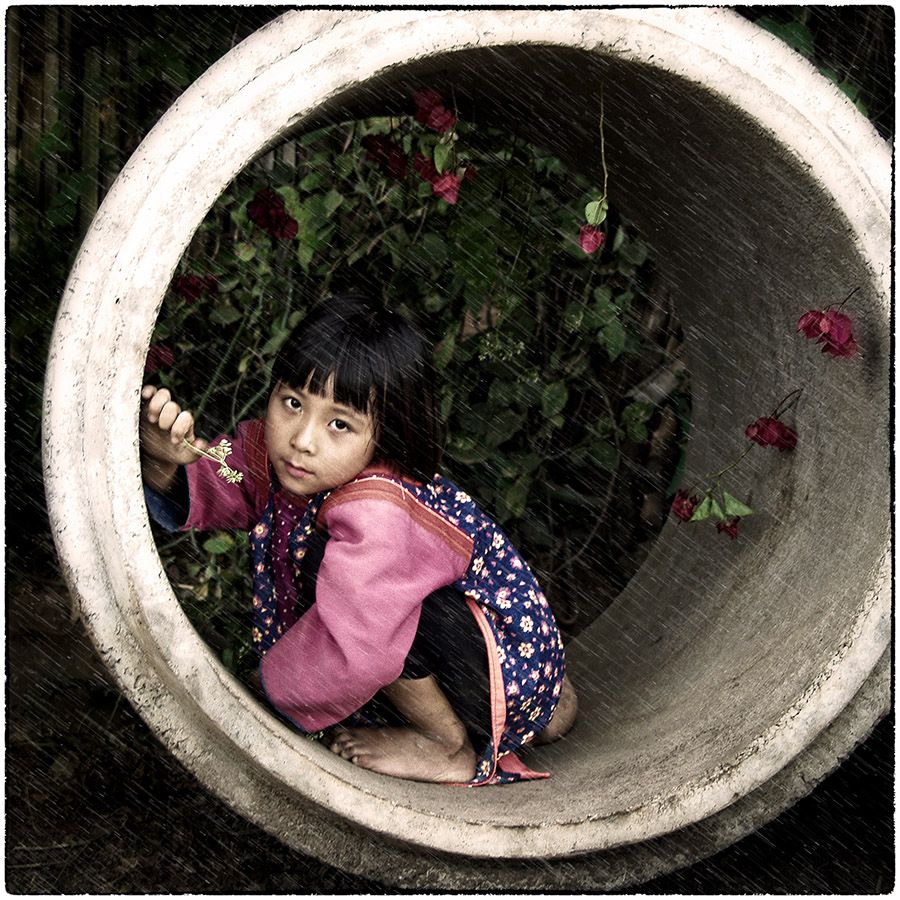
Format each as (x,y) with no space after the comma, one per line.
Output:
(351,380)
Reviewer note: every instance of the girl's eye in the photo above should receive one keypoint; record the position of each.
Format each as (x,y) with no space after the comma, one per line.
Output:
(292,403)
(340,425)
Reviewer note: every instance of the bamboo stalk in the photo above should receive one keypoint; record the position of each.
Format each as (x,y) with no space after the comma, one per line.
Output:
(50,92)
(110,161)
(31,49)
(13,79)
(90,142)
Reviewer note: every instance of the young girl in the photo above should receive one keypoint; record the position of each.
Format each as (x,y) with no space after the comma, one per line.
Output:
(386,603)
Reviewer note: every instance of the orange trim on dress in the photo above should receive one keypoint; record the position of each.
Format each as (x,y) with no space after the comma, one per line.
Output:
(377,487)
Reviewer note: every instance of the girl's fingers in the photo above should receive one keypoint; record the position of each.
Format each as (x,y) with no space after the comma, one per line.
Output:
(157,403)
(183,428)
(147,391)
(168,414)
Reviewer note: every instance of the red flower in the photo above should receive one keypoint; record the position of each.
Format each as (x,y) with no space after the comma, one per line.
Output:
(683,505)
(267,210)
(159,356)
(446,187)
(591,238)
(431,112)
(189,287)
(471,173)
(769,432)
(387,154)
(729,526)
(440,119)
(424,167)
(832,329)
(426,99)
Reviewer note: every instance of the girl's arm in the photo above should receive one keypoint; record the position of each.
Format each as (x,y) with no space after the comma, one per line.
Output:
(379,564)
(185,490)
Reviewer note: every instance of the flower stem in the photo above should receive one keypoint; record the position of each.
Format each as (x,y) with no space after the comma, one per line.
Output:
(846,298)
(718,475)
(781,409)
(603,145)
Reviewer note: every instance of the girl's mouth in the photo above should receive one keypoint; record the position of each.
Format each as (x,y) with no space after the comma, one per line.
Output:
(296,471)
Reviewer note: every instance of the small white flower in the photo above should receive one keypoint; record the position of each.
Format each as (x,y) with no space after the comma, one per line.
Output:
(526,623)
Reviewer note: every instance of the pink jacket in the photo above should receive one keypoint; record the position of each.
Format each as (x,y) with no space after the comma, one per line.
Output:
(354,640)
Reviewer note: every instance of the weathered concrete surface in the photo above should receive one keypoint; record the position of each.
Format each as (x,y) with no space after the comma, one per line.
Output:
(710,683)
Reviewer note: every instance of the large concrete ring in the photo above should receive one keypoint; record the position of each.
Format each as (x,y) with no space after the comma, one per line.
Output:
(729,676)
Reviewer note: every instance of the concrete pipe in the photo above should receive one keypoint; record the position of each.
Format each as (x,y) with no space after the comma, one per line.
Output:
(728,677)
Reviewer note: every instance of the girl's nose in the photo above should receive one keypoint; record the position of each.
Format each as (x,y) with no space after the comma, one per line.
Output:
(303,439)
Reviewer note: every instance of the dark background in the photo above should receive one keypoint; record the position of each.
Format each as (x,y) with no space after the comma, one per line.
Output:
(94,803)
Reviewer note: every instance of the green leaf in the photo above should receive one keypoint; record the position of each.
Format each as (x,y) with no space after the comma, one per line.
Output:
(554,399)
(516,496)
(444,351)
(614,338)
(708,508)
(333,199)
(446,405)
(276,342)
(442,156)
(225,315)
(244,251)
(635,252)
(605,455)
(618,240)
(311,181)
(734,507)
(291,199)
(466,449)
(435,302)
(703,510)
(220,543)
(595,212)
(305,254)
(634,418)
(434,247)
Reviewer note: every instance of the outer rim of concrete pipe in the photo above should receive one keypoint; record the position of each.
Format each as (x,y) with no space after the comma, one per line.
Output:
(272,80)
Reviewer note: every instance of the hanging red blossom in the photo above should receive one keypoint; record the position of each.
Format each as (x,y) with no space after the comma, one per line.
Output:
(729,527)
(431,112)
(192,287)
(591,238)
(159,356)
(830,328)
(769,432)
(683,505)
(446,187)
(267,210)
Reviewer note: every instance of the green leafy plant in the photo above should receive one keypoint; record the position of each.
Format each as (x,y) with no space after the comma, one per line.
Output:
(468,231)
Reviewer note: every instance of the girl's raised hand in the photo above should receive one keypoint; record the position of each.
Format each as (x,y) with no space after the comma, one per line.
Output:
(165,426)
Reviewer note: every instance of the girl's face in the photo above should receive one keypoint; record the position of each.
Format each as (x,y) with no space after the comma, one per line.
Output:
(314,443)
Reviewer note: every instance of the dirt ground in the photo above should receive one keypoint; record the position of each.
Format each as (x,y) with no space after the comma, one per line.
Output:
(95,805)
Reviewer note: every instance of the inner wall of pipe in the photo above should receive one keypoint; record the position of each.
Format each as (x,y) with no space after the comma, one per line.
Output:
(712,642)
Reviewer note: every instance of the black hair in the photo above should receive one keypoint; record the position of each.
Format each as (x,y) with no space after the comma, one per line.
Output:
(380,364)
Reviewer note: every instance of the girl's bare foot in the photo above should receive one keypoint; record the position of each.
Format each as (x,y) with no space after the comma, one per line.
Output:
(563,717)
(405,753)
